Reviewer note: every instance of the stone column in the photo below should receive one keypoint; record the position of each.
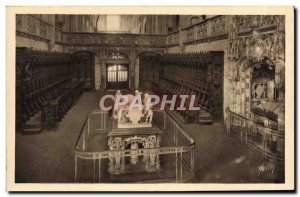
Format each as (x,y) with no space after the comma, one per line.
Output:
(134,159)
(137,73)
(116,161)
(98,65)
(152,159)
(103,70)
(51,43)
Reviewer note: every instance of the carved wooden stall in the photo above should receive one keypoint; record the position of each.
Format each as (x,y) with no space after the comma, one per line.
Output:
(199,74)
(149,67)
(84,63)
(42,77)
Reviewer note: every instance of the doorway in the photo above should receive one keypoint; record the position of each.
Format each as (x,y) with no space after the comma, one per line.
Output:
(117,76)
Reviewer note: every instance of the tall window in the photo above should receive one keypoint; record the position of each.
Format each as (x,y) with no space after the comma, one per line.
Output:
(113,23)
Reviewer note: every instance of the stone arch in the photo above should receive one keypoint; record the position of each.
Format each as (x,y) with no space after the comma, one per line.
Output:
(144,25)
(110,52)
(154,52)
(84,49)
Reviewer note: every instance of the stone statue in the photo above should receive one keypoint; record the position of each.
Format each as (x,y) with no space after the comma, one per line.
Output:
(137,93)
(260,91)
(146,98)
(27,72)
(254,94)
(121,115)
(149,115)
(270,92)
(118,93)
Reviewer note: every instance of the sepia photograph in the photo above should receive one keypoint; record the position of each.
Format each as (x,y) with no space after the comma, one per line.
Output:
(170,99)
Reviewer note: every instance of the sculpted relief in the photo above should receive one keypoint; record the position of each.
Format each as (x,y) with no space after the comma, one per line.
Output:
(255,42)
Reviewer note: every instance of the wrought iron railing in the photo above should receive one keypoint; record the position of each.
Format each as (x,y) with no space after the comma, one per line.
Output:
(269,142)
(176,151)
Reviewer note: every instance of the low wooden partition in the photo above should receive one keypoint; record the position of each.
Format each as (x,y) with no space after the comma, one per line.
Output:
(54,109)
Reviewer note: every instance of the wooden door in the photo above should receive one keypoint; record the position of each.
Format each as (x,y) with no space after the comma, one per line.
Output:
(117,76)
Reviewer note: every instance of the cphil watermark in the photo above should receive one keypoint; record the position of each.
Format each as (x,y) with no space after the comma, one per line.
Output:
(129,102)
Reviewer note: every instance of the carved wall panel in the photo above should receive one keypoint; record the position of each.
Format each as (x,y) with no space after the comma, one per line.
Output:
(202,31)
(246,23)
(19,22)
(218,26)
(31,25)
(173,38)
(206,30)
(254,42)
(43,30)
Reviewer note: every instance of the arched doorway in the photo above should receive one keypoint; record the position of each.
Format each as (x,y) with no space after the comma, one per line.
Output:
(84,63)
(117,71)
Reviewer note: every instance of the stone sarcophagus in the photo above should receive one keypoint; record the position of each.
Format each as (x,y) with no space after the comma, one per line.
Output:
(132,129)
(131,139)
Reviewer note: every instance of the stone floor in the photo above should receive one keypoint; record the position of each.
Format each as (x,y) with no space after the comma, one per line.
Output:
(49,156)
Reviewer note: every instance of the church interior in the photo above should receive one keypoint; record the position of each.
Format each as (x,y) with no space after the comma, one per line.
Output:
(232,65)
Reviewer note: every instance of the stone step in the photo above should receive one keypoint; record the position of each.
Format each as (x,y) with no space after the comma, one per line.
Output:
(33,125)
(32,131)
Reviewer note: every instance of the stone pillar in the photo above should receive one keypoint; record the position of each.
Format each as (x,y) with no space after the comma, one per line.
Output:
(152,159)
(137,73)
(134,159)
(51,43)
(98,65)
(103,70)
(181,35)
(116,161)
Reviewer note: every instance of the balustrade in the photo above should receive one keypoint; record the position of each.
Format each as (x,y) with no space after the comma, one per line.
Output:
(105,39)
(33,25)
(246,23)
(173,38)
(208,29)
(259,133)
